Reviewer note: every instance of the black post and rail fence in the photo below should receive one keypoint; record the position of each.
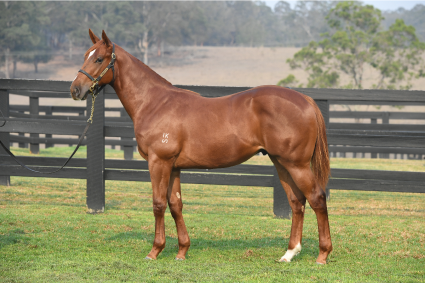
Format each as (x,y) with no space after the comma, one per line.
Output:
(374,138)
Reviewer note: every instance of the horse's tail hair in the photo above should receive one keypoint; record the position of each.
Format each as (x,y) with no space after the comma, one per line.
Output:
(320,160)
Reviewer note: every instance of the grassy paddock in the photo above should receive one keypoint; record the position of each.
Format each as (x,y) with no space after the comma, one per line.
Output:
(46,235)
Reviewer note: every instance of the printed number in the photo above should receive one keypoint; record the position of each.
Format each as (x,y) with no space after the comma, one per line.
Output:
(165,137)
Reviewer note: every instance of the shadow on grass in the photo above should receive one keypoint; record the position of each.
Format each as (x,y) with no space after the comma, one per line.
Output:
(310,245)
(13,237)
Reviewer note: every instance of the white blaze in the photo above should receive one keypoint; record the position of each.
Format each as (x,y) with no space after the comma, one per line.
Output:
(91,53)
(291,253)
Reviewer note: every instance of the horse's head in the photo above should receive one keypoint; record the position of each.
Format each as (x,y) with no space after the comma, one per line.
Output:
(96,71)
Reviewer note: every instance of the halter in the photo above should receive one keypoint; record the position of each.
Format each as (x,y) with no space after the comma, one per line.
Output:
(95,89)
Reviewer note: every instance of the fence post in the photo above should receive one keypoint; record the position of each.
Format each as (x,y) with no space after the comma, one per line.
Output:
(96,157)
(22,144)
(281,208)
(34,107)
(385,120)
(49,112)
(324,108)
(4,137)
(128,149)
(373,121)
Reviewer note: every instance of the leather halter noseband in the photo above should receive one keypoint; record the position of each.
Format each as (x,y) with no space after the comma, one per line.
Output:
(95,89)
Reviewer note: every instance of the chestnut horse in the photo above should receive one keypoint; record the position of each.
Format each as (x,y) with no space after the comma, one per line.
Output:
(177,129)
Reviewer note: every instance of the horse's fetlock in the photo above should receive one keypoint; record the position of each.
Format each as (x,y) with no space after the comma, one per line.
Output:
(184,243)
(326,248)
(159,244)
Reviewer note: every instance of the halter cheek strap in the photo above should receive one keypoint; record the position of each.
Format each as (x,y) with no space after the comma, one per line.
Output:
(95,89)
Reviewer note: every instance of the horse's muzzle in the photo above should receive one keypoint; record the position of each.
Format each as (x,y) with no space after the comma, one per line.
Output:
(77,94)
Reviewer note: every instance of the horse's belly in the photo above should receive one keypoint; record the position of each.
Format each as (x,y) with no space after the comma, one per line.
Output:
(215,153)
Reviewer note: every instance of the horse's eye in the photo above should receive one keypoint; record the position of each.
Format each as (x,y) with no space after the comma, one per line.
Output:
(99,60)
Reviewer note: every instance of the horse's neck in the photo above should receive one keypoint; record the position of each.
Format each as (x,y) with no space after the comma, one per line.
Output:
(135,83)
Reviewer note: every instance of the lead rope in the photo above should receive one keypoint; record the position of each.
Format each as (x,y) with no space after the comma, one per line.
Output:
(89,122)
(93,99)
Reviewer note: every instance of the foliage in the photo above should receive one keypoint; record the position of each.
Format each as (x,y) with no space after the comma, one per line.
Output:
(414,17)
(289,81)
(357,41)
(21,31)
(398,56)
(31,29)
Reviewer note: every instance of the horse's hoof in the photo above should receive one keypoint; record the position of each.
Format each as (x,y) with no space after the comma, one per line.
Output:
(179,259)
(148,258)
(320,263)
(284,260)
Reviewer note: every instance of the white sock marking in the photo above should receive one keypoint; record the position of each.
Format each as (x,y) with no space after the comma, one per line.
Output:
(291,253)
(75,78)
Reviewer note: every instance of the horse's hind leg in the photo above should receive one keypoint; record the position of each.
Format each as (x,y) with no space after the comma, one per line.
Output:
(176,205)
(297,202)
(307,184)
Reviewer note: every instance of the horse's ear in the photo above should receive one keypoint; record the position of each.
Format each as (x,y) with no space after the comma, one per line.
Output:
(93,37)
(106,39)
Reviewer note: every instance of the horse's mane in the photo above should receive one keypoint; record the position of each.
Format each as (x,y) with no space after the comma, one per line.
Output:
(139,62)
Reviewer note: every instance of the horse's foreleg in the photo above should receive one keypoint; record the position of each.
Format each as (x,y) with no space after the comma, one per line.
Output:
(160,172)
(176,205)
(297,202)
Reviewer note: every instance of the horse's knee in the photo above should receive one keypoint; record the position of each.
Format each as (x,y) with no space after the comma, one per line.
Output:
(175,203)
(159,207)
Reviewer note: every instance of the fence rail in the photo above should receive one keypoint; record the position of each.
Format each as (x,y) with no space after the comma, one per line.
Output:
(346,137)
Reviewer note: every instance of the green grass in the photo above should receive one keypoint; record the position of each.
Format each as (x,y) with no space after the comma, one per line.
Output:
(46,235)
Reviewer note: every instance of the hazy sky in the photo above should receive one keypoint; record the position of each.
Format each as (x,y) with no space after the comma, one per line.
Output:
(381,5)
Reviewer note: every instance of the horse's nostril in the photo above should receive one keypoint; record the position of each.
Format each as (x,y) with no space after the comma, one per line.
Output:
(76,91)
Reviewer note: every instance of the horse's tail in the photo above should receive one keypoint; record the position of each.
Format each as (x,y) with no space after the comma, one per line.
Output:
(320,160)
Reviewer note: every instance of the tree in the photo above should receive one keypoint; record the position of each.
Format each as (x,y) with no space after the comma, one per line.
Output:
(304,23)
(414,17)
(157,21)
(397,56)
(14,31)
(357,41)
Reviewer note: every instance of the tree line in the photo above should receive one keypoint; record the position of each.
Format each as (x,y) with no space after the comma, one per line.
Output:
(356,41)
(31,32)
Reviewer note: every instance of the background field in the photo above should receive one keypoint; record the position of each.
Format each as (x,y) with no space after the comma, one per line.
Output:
(196,65)
(46,235)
